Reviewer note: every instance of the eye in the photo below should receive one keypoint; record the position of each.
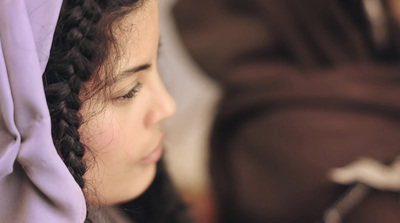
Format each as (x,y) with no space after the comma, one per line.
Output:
(132,93)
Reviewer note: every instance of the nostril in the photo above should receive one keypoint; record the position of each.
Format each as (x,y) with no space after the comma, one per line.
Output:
(170,107)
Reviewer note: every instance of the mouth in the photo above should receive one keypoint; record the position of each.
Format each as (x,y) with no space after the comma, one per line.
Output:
(155,154)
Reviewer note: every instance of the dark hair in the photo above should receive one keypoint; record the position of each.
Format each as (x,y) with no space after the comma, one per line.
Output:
(81,46)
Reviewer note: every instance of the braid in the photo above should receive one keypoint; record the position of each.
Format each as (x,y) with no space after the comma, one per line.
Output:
(70,64)
(80,46)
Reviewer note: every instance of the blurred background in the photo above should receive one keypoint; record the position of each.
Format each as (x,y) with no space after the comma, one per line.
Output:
(188,130)
(288,111)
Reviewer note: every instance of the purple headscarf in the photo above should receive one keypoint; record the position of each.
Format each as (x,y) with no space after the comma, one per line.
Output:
(35,185)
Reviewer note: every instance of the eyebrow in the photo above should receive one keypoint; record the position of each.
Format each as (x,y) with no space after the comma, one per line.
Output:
(129,72)
(134,70)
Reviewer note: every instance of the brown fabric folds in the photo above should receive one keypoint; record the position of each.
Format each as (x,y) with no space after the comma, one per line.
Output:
(305,90)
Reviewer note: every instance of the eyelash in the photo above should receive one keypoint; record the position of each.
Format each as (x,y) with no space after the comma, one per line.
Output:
(132,93)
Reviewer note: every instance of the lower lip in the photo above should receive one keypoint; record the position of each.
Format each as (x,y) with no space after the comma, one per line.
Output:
(154,156)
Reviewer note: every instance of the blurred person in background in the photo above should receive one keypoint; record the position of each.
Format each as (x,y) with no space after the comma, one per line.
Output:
(308,86)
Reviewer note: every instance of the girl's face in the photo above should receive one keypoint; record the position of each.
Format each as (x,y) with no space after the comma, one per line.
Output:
(125,138)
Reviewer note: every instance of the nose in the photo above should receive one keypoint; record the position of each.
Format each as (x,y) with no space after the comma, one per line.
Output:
(163,104)
(167,105)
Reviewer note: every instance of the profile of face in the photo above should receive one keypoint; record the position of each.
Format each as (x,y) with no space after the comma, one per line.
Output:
(125,137)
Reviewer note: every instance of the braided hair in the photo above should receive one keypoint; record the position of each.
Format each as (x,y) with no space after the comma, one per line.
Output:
(71,63)
(81,46)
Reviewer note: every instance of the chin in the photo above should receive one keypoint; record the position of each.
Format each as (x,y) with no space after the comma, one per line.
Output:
(142,183)
(121,190)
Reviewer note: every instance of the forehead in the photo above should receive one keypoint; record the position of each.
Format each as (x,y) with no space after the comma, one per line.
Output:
(136,38)
(137,33)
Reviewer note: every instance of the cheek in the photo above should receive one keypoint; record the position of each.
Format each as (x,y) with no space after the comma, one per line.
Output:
(115,171)
(114,140)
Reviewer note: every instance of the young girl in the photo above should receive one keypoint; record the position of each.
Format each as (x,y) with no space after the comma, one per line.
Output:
(106,104)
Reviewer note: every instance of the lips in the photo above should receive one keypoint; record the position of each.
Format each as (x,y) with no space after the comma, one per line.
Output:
(154,155)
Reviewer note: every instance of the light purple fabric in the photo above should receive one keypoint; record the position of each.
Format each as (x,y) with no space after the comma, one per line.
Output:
(35,185)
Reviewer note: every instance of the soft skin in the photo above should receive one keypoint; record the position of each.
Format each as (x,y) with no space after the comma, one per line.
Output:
(124,136)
